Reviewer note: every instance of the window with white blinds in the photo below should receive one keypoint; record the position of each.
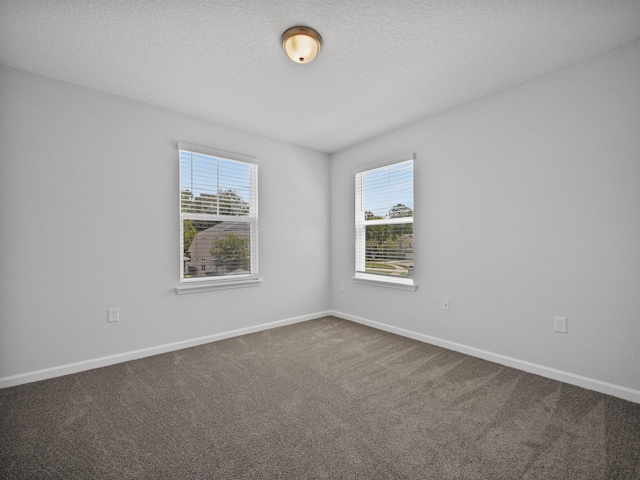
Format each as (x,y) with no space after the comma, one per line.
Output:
(384,222)
(218,216)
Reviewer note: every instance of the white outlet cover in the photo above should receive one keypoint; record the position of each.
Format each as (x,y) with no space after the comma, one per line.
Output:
(113,314)
(560,324)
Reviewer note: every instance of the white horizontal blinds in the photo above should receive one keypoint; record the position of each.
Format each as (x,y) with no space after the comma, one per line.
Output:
(360,227)
(388,191)
(384,221)
(215,186)
(219,217)
(253,187)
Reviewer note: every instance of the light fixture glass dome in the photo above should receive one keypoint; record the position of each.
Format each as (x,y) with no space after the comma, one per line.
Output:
(301,44)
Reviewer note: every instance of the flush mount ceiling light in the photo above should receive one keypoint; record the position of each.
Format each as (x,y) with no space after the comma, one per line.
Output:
(301,44)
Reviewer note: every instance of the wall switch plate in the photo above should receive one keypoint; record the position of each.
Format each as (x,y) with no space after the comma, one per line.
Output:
(113,314)
(560,324)
(342,286)
(446,305)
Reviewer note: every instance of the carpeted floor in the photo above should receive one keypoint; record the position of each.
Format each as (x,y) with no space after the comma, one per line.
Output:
(325,398)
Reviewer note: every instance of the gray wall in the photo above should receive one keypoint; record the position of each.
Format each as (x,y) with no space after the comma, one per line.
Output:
(89,209)
(527,205)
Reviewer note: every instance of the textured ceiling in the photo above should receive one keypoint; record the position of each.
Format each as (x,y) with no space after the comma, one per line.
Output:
(383,64)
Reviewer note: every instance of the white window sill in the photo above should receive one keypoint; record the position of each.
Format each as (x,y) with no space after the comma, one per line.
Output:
(386,283)
(197,287)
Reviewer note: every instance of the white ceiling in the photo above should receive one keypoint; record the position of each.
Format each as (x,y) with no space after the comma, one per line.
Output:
(383,64)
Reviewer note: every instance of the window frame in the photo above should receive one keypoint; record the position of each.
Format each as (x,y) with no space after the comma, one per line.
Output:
(207,283)
(360,276)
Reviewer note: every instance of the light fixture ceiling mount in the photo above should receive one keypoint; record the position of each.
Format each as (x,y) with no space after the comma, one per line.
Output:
(301,44)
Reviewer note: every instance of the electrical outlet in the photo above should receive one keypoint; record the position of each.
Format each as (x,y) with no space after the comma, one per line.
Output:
(446,305)
(560,324)
(342,286)
(113,314)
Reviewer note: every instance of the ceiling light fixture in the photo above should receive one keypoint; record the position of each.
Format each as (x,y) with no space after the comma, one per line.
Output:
(301,44)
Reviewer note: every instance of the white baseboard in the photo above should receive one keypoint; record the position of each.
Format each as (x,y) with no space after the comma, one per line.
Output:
(76,367)
(570,378)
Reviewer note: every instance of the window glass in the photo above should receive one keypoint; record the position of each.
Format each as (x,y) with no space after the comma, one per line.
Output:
(384,222)
(218,217)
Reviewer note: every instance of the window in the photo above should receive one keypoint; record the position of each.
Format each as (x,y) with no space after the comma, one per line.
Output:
(218,219)
(384,224)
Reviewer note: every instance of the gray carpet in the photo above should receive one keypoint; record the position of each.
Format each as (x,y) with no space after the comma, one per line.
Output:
(325,398)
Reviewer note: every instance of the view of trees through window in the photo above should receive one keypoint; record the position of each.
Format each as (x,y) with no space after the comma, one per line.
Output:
(225,202)
(214,248)
(384,221)
(389,246)
(218,215)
